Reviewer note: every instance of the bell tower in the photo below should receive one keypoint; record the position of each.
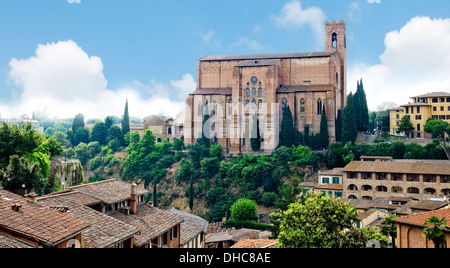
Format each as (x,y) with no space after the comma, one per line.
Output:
(336,41)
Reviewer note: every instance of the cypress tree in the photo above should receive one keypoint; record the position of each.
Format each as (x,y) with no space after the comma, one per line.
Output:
(255,138)
(349,124)
(125,122)
(360,107)
(365,109)
(155,193)
(287,133)
(324,136)
(191,193)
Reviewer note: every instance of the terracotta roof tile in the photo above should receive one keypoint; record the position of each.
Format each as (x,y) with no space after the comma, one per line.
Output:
(421,218)
(436,167)
(105,231)
(151,222)
(256,244)
(37,222)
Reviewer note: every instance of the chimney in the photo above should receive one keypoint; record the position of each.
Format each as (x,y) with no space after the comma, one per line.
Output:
(16,208)
(133,200)
(31,197)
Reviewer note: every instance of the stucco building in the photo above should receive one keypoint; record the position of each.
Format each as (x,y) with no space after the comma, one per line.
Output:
(386,178)
(235,87)
(434,105)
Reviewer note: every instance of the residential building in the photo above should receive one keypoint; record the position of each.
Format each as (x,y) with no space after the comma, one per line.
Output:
(235,87)
(165,129)
(105,231)
(434,105)
(410,229)
(124,202)
(193,229)
(419,179)
(25,223)
(329,183)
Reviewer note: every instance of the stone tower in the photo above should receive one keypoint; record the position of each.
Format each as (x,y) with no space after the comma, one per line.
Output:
(336,41)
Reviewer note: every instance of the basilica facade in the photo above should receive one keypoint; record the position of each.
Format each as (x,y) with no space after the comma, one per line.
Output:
(233,90)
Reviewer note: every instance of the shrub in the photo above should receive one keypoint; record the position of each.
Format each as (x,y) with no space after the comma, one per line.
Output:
(244,210)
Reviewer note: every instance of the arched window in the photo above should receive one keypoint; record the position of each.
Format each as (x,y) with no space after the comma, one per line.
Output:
(334,40)
(283,104)
(247,93)
(397,189)
(319,107)
(302,107)
(200,109)
(247,104)
(253,104)
(260,102)
(253,92)
(260,93)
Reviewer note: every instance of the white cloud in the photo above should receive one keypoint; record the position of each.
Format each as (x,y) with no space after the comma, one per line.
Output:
(293,16)
(415,61)
(74,1)
(65,80)
(248,43)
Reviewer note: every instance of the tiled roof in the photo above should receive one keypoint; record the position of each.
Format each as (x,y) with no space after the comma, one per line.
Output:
(109,191)
(303,88)
(191,226)
(421,218)
(37,222)
(433,95)
(266,56)
(10,242)
(258,63)
(256,244)
(436,167)
(334,171)
(429,205)
(77,197)
(105,231)
(213,91)
(151,222)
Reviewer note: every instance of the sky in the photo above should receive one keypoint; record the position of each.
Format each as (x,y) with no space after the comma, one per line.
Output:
(64,57)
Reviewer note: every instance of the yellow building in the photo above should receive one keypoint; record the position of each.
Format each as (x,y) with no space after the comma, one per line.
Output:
(434,105)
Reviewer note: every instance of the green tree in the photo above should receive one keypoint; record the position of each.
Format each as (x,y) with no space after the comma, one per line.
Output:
(438,129)
(324,136)
(361,109)
(405,125)
(434,230)
(244,210)
(318,221)
(78,122)
(22,176)
(99,133)
(255,139)
(398,149)
(114,132)
(287,132)
(389,228)
(125,123)
(349,124)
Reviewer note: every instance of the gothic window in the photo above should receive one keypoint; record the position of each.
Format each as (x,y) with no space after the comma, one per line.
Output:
(247,93)
(200,109)
(253,104)
(260,104)
(260,93)
(319,107)
(283,105)
(302,107)
(253,92)
(247,104)
(230,107)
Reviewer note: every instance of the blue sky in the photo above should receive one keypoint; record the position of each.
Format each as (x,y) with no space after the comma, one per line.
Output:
(65,57)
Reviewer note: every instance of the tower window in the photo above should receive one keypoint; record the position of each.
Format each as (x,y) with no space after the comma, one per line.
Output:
(334,40)
(319,107)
